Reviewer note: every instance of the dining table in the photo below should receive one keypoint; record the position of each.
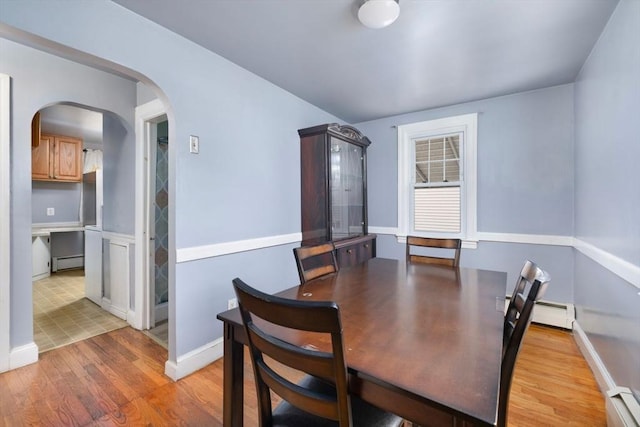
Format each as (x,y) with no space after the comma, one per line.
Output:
(421,341)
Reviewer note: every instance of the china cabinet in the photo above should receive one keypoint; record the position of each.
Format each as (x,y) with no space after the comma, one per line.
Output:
(334,191)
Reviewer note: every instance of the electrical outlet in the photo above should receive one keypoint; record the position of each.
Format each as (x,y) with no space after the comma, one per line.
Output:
(232,303)
(51,211)
(194,144)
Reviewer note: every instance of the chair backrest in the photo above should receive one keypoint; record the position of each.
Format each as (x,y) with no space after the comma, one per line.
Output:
(516,322)
(315,261)
(453,244)
(315,316)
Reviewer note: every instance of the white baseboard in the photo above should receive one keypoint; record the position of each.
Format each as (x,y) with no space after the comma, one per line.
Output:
(23,355)
(194,360)
(131,320)
(116,311)
(600,372)
(40,276)
(621,412)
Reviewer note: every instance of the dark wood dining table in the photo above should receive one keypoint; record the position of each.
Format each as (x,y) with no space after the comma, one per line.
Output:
(421,341)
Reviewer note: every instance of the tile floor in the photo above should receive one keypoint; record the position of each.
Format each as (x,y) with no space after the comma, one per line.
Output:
(62,315)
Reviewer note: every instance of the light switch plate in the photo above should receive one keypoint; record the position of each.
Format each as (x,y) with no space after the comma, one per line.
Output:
(194,144)
(51,211)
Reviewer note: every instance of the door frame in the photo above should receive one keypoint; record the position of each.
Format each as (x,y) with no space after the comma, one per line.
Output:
(146,117)
(5,222)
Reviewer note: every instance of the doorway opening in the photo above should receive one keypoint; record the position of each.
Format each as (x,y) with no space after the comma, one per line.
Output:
(158,223)
(70,301)
(152,221)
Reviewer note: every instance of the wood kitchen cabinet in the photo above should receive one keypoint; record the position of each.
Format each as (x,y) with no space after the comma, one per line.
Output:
(334,191)
(36,130)
(57,158)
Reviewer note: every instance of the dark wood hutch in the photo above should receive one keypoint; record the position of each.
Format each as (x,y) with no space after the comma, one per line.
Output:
(333,161)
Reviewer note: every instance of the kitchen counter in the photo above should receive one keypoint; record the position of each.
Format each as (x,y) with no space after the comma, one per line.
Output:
(38,230)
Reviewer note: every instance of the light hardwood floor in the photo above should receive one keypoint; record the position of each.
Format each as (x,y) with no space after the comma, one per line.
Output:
(116,379)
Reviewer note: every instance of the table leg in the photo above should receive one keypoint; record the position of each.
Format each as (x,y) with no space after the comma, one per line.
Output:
(233,382)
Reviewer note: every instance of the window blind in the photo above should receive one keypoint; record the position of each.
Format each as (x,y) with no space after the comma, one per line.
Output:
(437,209)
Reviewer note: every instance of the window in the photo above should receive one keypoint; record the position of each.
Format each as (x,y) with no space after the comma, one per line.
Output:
(437,178)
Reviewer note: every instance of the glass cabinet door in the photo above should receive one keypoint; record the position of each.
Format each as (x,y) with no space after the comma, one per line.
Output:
(347,189)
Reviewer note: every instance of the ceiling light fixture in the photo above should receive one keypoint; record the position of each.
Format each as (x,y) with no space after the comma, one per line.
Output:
(378,13)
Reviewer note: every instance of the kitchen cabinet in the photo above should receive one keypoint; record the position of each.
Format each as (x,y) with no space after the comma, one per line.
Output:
(57,158)
(36,130)
(334,191)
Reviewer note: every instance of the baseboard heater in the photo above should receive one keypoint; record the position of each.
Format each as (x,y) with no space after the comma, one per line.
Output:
(553,314)
(67,262)
(623,410)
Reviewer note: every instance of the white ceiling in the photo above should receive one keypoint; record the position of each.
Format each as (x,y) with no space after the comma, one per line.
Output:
(438,52)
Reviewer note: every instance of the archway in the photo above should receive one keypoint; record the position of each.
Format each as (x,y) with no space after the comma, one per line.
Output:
(67,203)
(20,351)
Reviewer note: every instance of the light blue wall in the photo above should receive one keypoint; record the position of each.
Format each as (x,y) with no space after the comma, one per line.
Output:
(608,311)
(270,269)
(67,244)
(63,197)
(244,184)
(525,180)
(144,93)
(245,181)
(118,160)
(39,80)
(509,257)
(607,140)
(525,162)
(607,110)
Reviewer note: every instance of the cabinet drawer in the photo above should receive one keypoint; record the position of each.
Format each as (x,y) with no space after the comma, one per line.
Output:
(355,251)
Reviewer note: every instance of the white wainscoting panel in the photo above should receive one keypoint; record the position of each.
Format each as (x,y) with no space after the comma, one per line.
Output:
(119,279)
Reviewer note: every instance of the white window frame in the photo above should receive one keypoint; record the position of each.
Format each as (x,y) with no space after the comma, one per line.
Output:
(407,134)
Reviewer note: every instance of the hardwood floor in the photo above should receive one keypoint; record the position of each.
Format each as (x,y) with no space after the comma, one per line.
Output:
(117,379)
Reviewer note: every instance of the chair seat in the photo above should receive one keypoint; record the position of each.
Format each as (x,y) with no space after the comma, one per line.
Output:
(363,413)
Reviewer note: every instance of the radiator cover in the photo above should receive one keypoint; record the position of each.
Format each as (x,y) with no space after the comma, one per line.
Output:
(67,262)
(551,313)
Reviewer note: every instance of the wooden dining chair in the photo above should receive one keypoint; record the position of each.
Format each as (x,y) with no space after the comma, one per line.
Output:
(454,245)
(315,261)
(516,322)
(321,398)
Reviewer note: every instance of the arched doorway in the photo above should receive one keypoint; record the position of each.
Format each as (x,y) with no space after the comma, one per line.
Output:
(20,350)
(74,298)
